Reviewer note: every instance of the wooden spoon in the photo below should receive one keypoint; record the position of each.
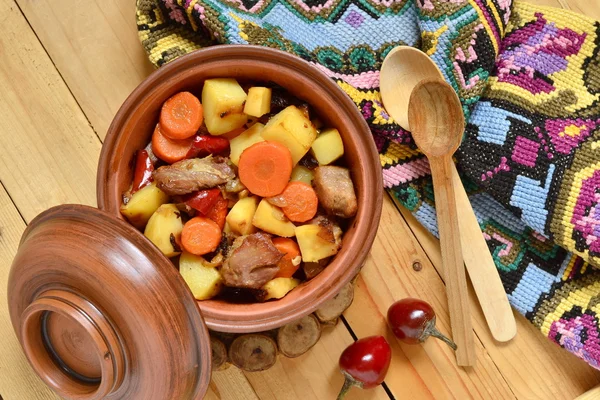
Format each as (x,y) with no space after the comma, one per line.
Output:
(402,70)
(437,122)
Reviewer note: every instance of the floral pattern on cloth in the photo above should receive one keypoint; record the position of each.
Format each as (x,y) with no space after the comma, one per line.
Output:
(528,78)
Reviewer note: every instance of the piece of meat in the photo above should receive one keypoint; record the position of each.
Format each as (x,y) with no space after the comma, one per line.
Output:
(335,191)
(330,230)
(312,269)
(253,263)
(187,176)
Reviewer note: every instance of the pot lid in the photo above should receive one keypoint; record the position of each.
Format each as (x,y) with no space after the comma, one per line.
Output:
(101,313)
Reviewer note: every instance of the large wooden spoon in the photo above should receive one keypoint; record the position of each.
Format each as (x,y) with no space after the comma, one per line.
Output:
(402,70)
(436,119)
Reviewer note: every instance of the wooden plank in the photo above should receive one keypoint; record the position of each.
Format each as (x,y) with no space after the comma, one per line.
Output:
(96,49)
(45,132)
(49,157)
(416,372)
(585,7)
(530,363)
(592,394)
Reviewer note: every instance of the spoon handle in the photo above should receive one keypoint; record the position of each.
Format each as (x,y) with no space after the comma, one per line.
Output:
(452,260)
(481,268)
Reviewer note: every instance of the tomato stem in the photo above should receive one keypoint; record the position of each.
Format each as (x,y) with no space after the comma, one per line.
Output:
(431,330)
(349,381)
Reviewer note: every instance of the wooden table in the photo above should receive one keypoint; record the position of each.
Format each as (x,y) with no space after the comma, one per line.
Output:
(65,69)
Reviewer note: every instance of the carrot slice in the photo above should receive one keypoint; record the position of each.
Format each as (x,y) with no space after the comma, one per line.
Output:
(218,212)
(301,201)
(291,251)
(265,168)
(181,116)
(200,236)
(169,150)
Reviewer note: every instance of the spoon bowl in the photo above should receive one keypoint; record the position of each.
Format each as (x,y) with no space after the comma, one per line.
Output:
(436,116)
(403,68)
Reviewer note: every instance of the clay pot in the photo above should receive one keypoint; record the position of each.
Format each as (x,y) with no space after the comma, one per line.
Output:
(101,313)
(133,126)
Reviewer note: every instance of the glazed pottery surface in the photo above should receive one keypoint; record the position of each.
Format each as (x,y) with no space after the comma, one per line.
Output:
(101,313)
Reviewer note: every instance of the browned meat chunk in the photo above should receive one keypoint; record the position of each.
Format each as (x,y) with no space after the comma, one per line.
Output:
(253,263)
(187,176)
(335,191)
(330,230)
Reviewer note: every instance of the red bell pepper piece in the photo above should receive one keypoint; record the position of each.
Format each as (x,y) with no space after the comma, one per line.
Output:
(142,175)
(203,200)
(206,145)
(219,212)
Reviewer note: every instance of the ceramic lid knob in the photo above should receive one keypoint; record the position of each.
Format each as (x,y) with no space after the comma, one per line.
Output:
(102,314)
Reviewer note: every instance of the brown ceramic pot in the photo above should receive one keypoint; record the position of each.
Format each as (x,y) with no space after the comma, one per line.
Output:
(133,126)
(101,313)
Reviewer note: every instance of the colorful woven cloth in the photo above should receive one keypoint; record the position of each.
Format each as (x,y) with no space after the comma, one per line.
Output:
(529,81)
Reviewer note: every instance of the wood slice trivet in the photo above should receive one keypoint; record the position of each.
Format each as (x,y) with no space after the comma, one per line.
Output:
(258,351)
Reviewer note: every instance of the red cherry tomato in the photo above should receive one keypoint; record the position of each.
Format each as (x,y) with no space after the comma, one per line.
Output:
(413,321)
(365,363)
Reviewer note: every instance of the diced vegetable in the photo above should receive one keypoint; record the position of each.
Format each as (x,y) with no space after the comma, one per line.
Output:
(181,116)
(293,129)
(204,281)
(207,145)
(265,168)
(200,236)
(313,244)
(169,150)
(223,101)
(143,204)
(164,229)
(272,220)
(291,260)
(251,121)
(142,175)
(258,102)
(245,140)
(277,288)
(219,212)
(240,216)
(300,202)
(328,147)
(203,200)
(302,174)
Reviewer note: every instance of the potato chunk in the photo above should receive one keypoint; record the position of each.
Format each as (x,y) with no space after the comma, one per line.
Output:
(277,288)
(317,242)
(272,220)
(223,104)
(240,216)
(143,204)
(302,174)
(245,140)
(328,147)
(204,281)
(293,129)
(164,229)
(258,102)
